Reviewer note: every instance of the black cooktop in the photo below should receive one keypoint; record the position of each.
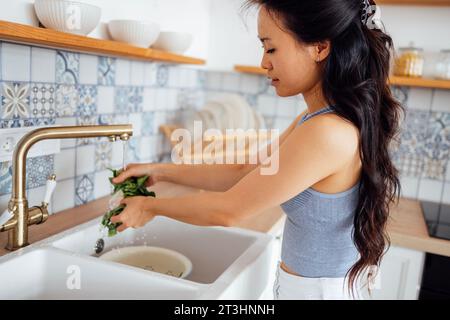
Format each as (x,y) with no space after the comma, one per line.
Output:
(437,216)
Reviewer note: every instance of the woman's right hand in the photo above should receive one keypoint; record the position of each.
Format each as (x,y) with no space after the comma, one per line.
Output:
(138,170)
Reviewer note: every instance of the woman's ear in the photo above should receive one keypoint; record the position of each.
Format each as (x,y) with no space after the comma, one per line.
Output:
(322,50)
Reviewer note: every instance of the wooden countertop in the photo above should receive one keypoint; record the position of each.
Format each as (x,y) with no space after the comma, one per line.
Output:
(406,226)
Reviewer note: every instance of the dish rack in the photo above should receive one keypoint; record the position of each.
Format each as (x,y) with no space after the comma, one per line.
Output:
(251,144)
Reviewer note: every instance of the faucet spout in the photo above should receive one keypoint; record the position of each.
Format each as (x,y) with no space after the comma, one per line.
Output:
(18,205)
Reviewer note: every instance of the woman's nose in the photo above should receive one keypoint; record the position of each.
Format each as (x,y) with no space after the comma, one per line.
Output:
(265,63)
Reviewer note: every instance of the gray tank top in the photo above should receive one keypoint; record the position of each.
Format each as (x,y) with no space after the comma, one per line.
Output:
(317,239)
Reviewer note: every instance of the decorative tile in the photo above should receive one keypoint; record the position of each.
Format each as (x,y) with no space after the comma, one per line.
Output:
(401,94)
(136,98)
(133,150)
(162,75)
(33,122)
(38,170)
(188,99)
(15,100)
(437,145)
(5,178)
(84,189)
(67,67)
(106,71)
(409,165)
(103,155)
(148,123)
(67,99)
(128,99)
(87,106)
(43,100)
(105,119)
(86,120)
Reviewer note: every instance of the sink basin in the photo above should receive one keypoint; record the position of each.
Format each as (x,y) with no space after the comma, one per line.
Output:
(48,273)
(227,263)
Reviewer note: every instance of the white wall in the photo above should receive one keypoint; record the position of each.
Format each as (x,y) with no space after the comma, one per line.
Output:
(231,43)
(233,36)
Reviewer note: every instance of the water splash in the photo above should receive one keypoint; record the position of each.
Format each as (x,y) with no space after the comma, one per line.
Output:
(125,154)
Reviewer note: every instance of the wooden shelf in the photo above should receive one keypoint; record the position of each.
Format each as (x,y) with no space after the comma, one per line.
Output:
(431,3)
(420,82)
(397,81)
(21,33)
(250,69)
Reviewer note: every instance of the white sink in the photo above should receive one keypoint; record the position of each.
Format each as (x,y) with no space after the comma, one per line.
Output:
(48,273)
(228,263)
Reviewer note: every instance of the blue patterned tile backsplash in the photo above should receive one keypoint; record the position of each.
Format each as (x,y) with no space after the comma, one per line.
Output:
(78,89)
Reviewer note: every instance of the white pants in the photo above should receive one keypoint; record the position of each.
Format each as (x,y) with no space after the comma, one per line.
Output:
(291,287)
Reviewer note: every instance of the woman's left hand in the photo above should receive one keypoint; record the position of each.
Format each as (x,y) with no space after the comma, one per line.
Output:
(136,213)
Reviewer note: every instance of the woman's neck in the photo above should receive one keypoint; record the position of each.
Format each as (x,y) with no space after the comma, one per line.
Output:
(315,99)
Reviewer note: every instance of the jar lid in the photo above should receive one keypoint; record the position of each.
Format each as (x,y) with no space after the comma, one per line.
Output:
(411,47)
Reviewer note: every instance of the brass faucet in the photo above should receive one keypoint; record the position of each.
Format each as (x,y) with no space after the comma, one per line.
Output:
(22,215)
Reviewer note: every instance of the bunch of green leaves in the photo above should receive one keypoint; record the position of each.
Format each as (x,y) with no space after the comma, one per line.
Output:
(131,187)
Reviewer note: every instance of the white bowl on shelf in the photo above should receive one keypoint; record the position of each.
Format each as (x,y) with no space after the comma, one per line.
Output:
(134,32)
(68,16)
(175,42)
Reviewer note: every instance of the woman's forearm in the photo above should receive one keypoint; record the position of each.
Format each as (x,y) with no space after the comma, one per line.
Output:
(215,177)
(203,209)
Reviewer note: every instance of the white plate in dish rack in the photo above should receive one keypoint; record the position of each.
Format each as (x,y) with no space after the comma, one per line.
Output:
(220,113)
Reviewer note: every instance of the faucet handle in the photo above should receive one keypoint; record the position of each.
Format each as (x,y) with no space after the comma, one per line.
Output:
(51,185)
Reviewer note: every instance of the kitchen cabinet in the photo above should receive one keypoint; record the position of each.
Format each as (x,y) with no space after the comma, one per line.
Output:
(399,277)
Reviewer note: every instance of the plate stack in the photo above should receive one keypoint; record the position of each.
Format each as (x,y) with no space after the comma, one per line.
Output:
(232,124)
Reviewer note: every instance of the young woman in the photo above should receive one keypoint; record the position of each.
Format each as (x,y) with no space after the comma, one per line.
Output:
(335,179)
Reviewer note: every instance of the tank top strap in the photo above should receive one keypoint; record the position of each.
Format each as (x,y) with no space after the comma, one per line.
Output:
(316,113)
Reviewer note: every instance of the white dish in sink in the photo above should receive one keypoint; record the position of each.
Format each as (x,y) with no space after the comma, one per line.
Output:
(155,259)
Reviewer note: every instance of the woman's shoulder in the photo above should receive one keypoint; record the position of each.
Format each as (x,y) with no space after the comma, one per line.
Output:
(334,129)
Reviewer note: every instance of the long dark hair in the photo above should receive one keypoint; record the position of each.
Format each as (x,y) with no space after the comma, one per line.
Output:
(355,82)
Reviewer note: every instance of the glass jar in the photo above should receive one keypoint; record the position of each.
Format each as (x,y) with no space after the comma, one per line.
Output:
(409,62)
(443,65)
